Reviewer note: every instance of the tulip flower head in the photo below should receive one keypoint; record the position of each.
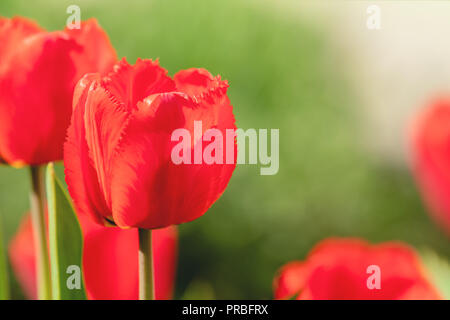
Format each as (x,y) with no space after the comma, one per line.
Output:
(355,270)
(430,142)
(38,73)
(118,151)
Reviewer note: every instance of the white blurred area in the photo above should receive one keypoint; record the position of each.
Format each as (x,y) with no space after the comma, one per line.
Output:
(395,70)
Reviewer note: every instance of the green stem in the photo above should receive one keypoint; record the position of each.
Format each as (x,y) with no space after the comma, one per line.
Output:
(4,281)
(37,201)
(146,288)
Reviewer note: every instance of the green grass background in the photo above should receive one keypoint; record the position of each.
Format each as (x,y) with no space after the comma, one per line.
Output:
(283,75)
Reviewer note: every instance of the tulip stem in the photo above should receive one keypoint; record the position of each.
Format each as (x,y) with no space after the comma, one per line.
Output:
(146,281)
(37,201)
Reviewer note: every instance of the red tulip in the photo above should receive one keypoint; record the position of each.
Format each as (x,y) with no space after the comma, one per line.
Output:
(341,268)
(110,261)
(118,152)
(430,140)
(38,72)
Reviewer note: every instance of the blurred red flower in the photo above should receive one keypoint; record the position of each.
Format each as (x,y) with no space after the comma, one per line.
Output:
(338,269)
(430,140)
(38,72)
(118,152)
(110,260)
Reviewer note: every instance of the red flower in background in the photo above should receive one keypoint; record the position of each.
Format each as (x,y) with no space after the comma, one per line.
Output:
(110,261)
(337,269)
(430,140)
(38,72)
(118,152)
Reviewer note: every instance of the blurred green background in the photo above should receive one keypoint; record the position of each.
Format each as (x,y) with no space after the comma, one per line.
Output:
(282,74)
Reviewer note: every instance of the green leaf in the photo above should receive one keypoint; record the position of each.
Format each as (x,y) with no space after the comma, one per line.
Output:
(439,270)
(4,280)
(66,242)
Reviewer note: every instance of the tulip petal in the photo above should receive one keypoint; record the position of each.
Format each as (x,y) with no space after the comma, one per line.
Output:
(97,53)
(39,77)
(81,177)
(105,120)
(111,264)
(290,280)
(131,84)
(12,33)
(198,82)
(23,257)
(209,93)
